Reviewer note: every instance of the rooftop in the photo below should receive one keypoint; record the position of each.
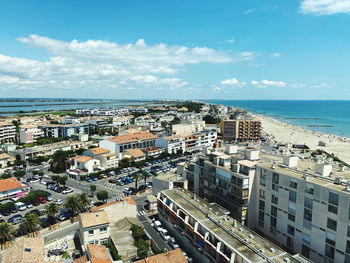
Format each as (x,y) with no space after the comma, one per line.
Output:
(136,153)
(9,184)
(82,159)
(172,256)
(26,250)
(98,151)
(4,156)
(128,138)
(96,218)
(98,254)
(216,220)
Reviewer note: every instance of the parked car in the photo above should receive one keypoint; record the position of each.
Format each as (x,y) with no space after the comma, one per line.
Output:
(14,210)
(42,200)
(5,213)
(103,176)
(49,198)
(67,190)
(11,219)
(164,234)
(35,202)
(157,225)
(60,189)
(149,184)
(112,181)
(59,202)
(88,179)
(172,243)
(29,205)
(128,191)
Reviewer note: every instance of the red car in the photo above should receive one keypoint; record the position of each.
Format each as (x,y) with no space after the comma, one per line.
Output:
(42,200)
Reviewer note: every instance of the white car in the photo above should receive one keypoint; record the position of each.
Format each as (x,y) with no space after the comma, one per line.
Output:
(164,234)
(172,243)
(157,225)
(59,202)
(67,191)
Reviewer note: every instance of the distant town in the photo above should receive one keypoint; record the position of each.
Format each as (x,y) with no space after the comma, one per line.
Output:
(181,182)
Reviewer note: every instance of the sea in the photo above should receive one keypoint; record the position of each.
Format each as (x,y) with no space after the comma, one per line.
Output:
(326,116)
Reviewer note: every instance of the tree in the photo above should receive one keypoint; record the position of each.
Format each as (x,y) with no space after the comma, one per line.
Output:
(144,175)
(51,210)
(55,178)
(102,195)
(93,189)
(176,120)
(59,160)
(19,173)
(136,178)
(30,223)
(137,231)
(84,201)
(209,119)
(6,233)
(73,204)
(63,180)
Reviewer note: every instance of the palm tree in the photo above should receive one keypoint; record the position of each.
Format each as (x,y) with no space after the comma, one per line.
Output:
(145,175)
(84,201)
(30,224)
(93,189)
(137,177)
(73,204)
(51,210)
(6,233)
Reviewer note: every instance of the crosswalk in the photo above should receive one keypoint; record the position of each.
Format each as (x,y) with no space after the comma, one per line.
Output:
(141,213)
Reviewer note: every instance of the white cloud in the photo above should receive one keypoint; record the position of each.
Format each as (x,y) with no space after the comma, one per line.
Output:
(275,55)
(268,83)
(325,7)
(249,11)
(218,89)
(228,41)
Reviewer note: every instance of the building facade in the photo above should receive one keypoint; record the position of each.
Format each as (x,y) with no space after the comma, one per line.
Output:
(7,132)
(64,130)
(241,129)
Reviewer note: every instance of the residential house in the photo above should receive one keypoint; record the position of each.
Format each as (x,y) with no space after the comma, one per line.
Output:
(98,254)
(107,159)
(122,143)
(5,159)
(145,120)
(188,127)
(153,151)
(85,163)
(171,256)
(122,120)
(94,228)
(136,155)
(11,188)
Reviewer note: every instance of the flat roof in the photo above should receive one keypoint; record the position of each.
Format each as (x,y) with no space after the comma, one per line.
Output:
(217,221)
(26,250)
(96,218)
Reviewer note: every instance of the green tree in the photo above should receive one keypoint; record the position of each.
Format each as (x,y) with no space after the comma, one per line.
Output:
(19,173)
(176,120)
(51,210)
(63,180)
(84,201)
(93,188)
(142,248)
(209,119)
(137,178)
(73,204)
(30,224)
(137,231)
(55,178)
(102,195)
(6,232)
(59,160)
(144,175)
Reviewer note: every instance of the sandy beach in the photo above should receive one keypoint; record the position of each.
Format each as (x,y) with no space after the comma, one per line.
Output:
(284,132)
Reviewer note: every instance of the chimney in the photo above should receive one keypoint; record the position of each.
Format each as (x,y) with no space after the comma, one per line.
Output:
(290,161)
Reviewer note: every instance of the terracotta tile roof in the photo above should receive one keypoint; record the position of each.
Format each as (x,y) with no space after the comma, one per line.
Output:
(128,138)
(136,153)
(9,184)
(82,259)
(98,254)
(26,250)
(82,159)
(130,200)
(4,156)
(93,218)
(172,256)
(98,151)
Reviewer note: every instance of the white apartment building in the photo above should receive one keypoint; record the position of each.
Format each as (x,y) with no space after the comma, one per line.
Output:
(146,120)
(209,234)
(30,134)
(121,120)
(103,112)
(94,228)
(85,163)
(172,144)
(304,206)
(107,159)
(7,132)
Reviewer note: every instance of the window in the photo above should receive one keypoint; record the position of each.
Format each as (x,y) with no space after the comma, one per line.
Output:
(291,208)
(91,232)
(262,194)
(103,230)
(306,239)
(348,231)
(262,178)
(261,205)
(347,246)
(273,221)
(329,251)
(275,187)
(290,242)
(92,242)
(309,188)
(292,196)
(305,251)
(332,224)
(333,198)
(308,203)
(275,178)
(274,199)
(333,209)
(291,217)
(308,214)
(293,184)
(290,230)
(274,211)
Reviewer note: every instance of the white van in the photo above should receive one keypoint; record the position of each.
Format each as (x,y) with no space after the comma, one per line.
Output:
(20,206)
(157,225)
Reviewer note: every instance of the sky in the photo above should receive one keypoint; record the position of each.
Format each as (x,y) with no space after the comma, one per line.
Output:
(162,49)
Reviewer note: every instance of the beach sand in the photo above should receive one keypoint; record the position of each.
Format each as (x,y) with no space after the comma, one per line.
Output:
(283,133)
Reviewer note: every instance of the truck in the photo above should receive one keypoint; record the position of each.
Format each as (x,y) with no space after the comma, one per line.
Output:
(20,206)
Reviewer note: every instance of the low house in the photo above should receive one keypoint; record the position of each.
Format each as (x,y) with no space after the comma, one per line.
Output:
(11,188)
(98,254)
(153,151)
(172,256)
(85,163)
(145,120)
(107,159)
(136,155)
(5,159)
(94,228)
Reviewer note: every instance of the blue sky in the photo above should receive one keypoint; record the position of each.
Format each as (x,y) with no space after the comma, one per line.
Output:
(286,49)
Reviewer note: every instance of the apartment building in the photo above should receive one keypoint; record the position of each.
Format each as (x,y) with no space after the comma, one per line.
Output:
(5,159)
(29,134)
(305,206)
(189,143)
(64,130)
(209,234)
(107,159)
(122,143)
(224,177)
(102,112)
(122,120)
(85,163)
(146,120)
(241,129)
(7,132)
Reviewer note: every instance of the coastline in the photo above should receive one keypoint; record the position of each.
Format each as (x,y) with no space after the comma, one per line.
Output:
(284,132)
